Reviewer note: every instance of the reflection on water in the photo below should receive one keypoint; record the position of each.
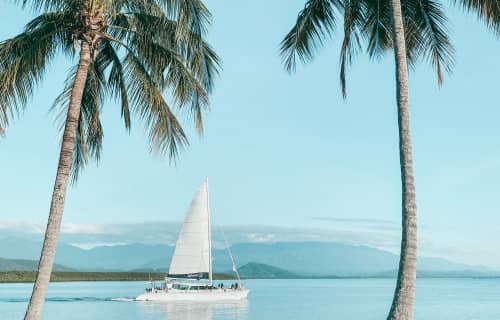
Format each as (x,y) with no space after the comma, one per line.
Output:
(194,310)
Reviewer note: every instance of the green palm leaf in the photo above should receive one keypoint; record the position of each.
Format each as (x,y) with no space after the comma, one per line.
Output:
(428,34)
(315,22)
(25,58)
(165,132)
(486,10)
(368,24)
(353,23)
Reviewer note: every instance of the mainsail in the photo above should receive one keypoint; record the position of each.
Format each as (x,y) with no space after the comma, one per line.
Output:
(192,256)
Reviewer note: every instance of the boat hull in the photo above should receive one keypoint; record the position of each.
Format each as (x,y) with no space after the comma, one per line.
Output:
(193,295)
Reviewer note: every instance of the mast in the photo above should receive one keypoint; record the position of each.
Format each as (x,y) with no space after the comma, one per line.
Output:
(209,236)
(235,268)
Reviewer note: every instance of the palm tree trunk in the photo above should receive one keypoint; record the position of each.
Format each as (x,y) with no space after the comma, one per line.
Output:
(47,256)
(404,296)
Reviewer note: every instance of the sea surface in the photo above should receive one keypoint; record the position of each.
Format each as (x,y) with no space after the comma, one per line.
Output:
(363,299)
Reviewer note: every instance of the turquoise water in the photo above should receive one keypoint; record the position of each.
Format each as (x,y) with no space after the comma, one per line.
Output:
(363,299)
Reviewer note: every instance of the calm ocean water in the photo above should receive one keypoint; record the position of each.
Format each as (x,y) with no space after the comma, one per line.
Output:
(363,299)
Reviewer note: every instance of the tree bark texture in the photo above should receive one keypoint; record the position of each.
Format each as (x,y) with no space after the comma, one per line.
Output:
(47,257)
(404,296)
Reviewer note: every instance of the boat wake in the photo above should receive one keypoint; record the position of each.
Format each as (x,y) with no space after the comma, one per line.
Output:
(123,299)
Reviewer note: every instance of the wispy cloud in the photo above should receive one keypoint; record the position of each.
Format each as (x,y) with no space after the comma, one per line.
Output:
(355,220)
(382,234)
(360,224)
(165,232)
(74,228)
(21,226)
(90,245)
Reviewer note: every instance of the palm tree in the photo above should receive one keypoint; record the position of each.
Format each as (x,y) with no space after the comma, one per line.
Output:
(414,29)
(132,50)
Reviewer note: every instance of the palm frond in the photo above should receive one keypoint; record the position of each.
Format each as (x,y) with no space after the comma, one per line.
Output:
(116,81)
(428,35)
(200,57)
(165,132)
(314,23)
(184,68)
(486,10)
(353,23)
(203,62)
(192,15)
(378,27)
(24,59)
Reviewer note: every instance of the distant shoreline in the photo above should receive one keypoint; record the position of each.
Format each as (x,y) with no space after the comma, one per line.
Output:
(73,276)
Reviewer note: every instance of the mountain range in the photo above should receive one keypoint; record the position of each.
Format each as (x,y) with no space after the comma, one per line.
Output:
(296,258)
(264,271)
(25,265)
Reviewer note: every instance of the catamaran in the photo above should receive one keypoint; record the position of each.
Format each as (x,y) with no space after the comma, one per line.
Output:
(189,277)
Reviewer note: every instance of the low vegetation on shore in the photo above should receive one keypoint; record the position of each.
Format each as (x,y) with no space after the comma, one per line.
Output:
(58,276)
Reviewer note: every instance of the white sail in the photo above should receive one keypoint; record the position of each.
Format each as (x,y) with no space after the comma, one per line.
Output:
(192,255)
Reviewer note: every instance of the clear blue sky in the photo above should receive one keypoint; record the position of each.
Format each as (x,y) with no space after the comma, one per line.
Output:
(284,150)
